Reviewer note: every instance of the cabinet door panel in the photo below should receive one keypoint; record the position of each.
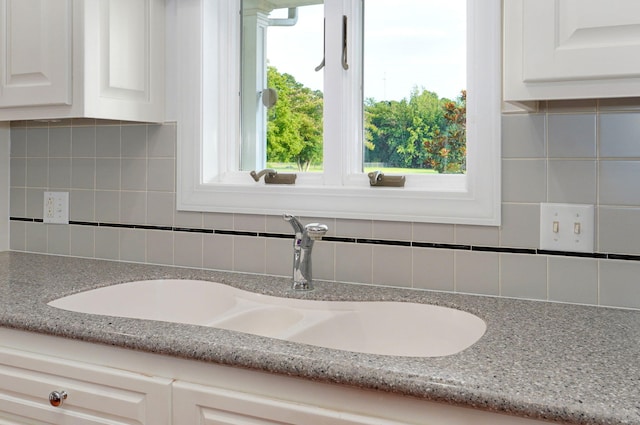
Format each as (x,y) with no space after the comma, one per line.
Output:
(96,395)
(35,58)
(581,39)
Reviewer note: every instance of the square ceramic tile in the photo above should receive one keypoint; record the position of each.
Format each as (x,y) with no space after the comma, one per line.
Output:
(249,254)
(573,280)
(324,260)
(524,180)
(250,222)
(477,272)
(433,269)
(108,141)
(392,266)
(161,174)
(35,203)
(18,142)
(59,173)
(572,136)
(18,235)
(619,230)
(354,262)
(108,173)
(572,182)
(133,207)
(279,260)
(433,233)
(18,202)
(160,247)
(107,206)
(82,205)
(218,221)
(133,174)
(107,242)
(18,172)
(188,219)
(162,141)
(83,142)
(523,276)
(60,142)
(81,241)
(620,135)
(570,105)
(37,142)
(37,172)
(618,183)
(523,136)
(58,239)
(276,224)
(160,208)
(134,141)
(133,245)
(354,228)
(477,235)
(392,230)
(36,240)
(187,249)
(520,225)
(619,104)
(218,252)
(619,283)
(83,173)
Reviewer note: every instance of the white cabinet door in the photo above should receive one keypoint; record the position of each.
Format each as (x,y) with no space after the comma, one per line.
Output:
(35,53)
(569,49)
(95,395)
(100,59)
(200,405)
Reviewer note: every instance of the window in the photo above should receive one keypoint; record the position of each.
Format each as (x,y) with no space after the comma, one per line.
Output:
(211,156)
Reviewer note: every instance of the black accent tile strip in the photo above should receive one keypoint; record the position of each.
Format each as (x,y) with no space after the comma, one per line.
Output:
(338,239)
(192,230)
(83,223)
(529,251)
(572,254)
(235,233)
(31,220)
(383,242)
(503,250)
(276,235)
(623,257)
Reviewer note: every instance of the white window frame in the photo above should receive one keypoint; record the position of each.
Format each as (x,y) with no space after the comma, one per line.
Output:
(213,27)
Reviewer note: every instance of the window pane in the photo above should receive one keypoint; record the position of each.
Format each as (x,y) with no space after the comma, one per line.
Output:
(288,48)
(414,85)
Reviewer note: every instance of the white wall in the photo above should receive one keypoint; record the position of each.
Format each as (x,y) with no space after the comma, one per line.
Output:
(4,186)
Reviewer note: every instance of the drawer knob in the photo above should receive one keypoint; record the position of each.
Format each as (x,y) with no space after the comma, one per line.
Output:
(57,397)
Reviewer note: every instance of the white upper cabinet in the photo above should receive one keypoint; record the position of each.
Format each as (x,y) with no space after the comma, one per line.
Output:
(82,58)
(571,49)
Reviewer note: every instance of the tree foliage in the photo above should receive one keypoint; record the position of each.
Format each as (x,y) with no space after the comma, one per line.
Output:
(294,127)
(423,131)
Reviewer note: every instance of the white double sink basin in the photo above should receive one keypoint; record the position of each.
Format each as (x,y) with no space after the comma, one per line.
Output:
(379,327)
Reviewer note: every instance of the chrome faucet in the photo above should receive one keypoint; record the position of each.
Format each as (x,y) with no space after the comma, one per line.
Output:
(302,245)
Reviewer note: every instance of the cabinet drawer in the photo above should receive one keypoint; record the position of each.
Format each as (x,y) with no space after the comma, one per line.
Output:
(95,395)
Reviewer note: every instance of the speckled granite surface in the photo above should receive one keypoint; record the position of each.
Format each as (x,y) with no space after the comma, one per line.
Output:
(565,363)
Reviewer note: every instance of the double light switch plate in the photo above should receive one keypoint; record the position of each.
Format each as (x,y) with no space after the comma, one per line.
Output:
(567,227)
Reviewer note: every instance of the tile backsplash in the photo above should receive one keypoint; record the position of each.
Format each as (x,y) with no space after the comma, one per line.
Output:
(121,180)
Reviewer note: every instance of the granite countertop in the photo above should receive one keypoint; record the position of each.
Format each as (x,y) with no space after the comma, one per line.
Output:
(565,363)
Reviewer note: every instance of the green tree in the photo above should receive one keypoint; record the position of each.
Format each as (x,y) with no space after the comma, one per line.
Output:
(294,127)
(448,147)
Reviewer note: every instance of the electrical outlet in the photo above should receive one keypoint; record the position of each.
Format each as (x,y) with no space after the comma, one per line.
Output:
(567,227)
(56,207)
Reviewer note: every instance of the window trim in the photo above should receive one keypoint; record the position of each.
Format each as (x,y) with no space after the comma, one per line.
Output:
(474,200)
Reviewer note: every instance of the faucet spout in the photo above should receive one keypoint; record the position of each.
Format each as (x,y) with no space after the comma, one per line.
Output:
(302,246)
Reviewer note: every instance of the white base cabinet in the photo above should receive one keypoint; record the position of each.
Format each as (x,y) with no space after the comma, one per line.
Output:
(571,49)
(100,59)
(94,395)
(108,385)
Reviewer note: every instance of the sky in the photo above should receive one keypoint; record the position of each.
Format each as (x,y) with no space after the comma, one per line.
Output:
(413,43)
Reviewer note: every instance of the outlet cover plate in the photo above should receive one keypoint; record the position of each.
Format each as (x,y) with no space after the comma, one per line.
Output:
(56,207)
(567,227)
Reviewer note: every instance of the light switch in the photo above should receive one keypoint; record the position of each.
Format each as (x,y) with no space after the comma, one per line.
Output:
(567,227)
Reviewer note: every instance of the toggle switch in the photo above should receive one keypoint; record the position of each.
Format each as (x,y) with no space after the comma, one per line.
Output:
(567,227)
